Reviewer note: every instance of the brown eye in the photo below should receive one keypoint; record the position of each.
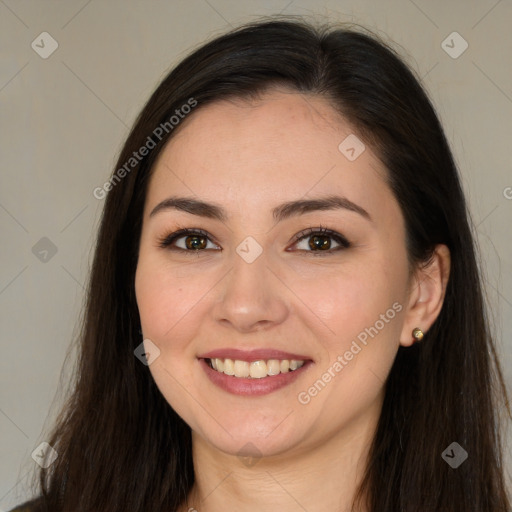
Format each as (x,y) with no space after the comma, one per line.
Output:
(319,240)
(195,242)
(186,240)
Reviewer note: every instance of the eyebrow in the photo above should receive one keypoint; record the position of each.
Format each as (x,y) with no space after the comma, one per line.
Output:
(280,212)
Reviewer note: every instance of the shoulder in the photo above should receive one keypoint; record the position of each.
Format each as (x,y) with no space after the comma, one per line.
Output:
(34,505)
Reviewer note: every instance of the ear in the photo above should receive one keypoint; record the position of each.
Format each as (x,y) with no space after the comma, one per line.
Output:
(426,294)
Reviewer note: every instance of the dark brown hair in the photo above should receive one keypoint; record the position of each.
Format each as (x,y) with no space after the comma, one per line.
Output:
(120,444)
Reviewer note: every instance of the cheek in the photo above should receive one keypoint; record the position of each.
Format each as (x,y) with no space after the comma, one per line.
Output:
(168,318)
(362,303)
(165,299)
(364,310)
(352,298)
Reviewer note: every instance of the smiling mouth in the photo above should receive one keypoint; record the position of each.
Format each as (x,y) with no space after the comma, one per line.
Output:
(255,369)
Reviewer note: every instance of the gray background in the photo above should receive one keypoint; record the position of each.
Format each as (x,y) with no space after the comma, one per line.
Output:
(64,118)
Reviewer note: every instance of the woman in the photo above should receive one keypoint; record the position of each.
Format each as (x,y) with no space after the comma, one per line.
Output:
(285,307)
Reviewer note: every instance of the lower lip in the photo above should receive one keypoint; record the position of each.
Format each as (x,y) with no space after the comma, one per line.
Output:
(252,387)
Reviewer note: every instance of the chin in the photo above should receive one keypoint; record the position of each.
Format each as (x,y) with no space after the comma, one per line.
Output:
(251,438)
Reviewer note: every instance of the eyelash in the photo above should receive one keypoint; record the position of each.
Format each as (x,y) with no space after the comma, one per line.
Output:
(166,241)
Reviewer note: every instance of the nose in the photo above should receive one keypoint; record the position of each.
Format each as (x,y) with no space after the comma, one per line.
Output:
(251,297)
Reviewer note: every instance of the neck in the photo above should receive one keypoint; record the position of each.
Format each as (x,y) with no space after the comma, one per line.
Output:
(319,477)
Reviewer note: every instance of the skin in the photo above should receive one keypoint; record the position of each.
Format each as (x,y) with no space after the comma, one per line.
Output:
(248,157)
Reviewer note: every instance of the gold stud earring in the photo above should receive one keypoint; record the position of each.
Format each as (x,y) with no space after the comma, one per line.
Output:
(417,334)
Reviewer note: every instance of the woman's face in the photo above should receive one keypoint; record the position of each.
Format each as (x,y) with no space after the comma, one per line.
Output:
(259,283)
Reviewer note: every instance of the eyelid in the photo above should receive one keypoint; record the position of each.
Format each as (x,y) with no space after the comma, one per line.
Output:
(166,241)
(344,243)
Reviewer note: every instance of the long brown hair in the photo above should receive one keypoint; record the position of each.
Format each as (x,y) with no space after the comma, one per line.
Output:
(122,447)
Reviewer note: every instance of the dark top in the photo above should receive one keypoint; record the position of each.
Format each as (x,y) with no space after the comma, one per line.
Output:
(33,505)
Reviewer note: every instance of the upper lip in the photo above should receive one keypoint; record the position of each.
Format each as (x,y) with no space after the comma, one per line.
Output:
(251,355)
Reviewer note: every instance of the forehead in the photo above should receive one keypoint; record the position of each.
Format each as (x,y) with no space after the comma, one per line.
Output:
(281,146)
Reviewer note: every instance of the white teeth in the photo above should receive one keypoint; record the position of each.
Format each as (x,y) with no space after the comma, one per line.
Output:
(241,368)
(294,364)
(256,369)
(273,367)
(229,367)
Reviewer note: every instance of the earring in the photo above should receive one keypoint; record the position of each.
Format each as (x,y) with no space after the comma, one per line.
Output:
(417,334)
